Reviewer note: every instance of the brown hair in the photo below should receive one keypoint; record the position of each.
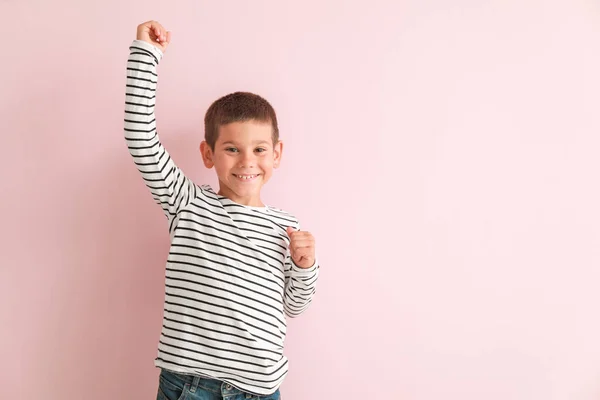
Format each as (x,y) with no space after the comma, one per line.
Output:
(238,107)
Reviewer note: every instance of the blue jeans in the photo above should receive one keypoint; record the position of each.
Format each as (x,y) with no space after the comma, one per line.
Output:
(174,386)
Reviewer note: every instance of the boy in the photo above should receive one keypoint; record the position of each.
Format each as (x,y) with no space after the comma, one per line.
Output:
(236,267)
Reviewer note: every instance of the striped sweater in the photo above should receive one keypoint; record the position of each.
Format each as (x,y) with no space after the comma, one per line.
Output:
(230,281)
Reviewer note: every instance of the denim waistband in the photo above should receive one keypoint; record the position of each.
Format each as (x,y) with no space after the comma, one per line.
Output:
(195,381)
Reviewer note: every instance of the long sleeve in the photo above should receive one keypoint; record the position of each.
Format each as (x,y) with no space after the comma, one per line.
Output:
(300,286)
(168,185)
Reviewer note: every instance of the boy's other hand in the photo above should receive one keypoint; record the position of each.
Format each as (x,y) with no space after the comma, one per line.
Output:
(302,247)
(155,34)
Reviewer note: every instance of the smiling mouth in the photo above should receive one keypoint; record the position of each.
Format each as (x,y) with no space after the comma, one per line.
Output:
(246,177)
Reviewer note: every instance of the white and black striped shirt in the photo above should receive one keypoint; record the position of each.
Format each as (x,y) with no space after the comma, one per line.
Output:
(230,281)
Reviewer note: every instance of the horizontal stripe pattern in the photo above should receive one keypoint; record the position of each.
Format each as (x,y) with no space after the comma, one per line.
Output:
(229,280)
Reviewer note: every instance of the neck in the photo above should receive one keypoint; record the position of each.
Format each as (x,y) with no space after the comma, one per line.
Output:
(250,200)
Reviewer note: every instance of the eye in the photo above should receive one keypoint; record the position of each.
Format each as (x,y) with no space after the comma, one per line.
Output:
(231,150)
(260,150)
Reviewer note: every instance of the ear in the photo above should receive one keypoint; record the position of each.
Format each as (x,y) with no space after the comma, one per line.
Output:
(277,151)
(207,155)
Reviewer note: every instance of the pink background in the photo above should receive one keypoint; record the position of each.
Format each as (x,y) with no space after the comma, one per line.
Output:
(444,154)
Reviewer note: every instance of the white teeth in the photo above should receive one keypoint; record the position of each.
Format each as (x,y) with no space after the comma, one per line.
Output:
(245,177)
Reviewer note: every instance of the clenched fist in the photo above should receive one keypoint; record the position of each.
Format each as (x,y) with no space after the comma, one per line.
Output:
(302,248)
(155,34)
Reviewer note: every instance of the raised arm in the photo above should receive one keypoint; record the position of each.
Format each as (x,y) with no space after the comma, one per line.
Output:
(168,185)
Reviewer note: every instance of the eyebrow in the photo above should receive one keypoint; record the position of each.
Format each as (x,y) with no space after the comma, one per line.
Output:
(255,142)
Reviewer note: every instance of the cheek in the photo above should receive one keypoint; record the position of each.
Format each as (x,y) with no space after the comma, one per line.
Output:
(266,164)
(222,165)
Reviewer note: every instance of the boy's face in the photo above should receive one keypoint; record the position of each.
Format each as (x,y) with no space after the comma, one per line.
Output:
(244,157)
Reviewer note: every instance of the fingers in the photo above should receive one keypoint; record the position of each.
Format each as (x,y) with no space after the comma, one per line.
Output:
(304,252)
(156,32)
(302,247)
(300,240)
(300,243)
(159,31)
(298,235)
(299,252)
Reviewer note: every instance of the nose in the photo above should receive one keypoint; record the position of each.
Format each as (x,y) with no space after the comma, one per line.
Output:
(247,160)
